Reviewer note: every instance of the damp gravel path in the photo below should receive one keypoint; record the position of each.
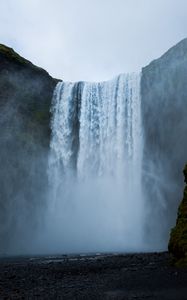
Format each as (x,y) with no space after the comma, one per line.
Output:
(117,276)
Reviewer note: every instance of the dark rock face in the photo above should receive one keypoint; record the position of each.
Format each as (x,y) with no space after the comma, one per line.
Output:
(164,109)
(25,97)
(178,239)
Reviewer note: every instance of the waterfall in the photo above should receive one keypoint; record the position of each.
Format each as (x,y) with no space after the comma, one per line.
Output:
(96,201)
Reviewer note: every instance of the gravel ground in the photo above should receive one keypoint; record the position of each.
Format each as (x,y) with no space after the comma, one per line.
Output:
(129,277)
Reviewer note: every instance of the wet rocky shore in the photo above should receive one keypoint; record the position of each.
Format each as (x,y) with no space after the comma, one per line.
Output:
(110,276)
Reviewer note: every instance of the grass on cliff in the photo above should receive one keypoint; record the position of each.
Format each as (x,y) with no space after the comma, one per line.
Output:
(178,239)
(13,56)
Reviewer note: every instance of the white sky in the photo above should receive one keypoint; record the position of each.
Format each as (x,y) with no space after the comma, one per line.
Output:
(92,39)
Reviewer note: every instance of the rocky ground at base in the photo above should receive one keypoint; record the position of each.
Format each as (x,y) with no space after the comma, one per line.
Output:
(117,276)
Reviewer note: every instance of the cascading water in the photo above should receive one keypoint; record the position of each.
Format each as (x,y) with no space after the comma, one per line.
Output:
(96,201)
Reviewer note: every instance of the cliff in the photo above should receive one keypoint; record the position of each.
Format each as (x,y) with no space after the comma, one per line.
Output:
(164,111)
(25,97)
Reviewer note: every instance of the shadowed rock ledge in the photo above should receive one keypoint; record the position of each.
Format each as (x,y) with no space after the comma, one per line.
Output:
(178,240)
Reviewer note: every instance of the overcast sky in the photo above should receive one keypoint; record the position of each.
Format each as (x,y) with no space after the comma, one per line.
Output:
(92,39)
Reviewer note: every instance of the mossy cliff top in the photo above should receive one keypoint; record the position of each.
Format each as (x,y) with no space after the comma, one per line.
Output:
(178,240)
(9,56)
